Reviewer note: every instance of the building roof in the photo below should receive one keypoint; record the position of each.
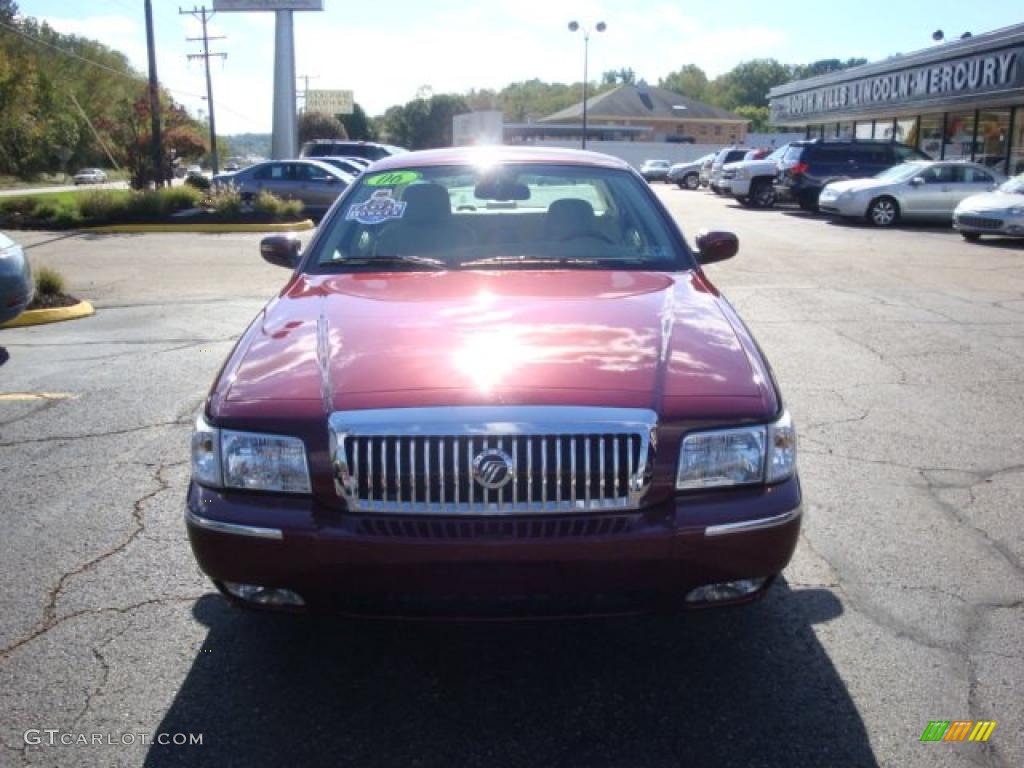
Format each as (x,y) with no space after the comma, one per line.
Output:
(642,101)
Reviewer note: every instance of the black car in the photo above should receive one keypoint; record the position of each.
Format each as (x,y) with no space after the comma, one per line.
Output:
(809,165)
(342,148)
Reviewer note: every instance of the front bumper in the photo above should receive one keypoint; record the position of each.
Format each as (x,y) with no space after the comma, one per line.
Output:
(415,569)
(989,223)
(845,207)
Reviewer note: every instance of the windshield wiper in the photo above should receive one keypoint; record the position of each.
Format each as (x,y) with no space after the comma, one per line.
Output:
(418,261)
(531,260)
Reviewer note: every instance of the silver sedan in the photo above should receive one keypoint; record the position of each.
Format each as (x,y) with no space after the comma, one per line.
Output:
(315,183)
(993,213)
(915,190)
(16,286)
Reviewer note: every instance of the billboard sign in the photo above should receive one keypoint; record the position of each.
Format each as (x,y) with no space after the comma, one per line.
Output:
(329,102)
(268,5)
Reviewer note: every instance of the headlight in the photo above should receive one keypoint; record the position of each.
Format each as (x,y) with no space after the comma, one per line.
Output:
(741,173)
(740,456)
(249,460)
(1016,211)
(206,454)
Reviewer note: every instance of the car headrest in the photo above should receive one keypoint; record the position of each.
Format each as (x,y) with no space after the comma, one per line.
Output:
(570,217)
(426,204)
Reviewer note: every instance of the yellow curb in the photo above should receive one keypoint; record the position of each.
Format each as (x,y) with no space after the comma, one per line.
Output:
(54,315)
(279,227)
(4,396)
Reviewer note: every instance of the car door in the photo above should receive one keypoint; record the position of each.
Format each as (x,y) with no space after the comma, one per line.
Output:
(969,180)
(929,200)
(272,177)
(316,187)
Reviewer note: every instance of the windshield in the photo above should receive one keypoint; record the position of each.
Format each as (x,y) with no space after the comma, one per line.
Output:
(513,215)
(1014,185)
(901,172)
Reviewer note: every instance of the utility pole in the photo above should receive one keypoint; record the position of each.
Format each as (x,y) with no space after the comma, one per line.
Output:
(305,90)
(154,101)
(204,15)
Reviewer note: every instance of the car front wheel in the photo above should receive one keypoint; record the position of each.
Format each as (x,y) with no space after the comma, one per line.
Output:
(970,237)
(691,180)
(883,212)
(763,194)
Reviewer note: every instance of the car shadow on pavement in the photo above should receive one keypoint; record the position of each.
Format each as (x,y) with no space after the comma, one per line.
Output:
(747,686)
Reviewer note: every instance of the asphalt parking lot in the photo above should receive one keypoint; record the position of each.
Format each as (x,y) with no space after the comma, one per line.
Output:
(899,353)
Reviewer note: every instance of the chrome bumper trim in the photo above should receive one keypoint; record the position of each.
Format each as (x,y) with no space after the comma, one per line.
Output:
(232,528)
(753,525)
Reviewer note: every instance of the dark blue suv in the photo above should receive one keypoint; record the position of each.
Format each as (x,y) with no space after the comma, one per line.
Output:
(809,165)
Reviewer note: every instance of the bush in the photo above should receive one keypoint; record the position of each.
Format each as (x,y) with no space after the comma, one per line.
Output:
(103,205)
(226,200)
(180,198)
(49,282)
(59,213)
(270,205)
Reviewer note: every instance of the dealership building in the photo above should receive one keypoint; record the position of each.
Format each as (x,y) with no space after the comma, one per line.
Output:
(955,100)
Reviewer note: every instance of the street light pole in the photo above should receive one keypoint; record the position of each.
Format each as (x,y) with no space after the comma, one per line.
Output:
(573,27)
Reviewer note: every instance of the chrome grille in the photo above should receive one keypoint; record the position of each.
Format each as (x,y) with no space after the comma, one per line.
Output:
(556,459)
(455,528)
(981,222)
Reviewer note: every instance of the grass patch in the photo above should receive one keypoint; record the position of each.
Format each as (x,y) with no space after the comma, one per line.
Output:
(271,206)
(94,207)
(49,282)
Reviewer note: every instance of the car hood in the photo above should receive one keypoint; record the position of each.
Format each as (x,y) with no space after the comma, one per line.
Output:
(991,201)
(858,185)
(388,340)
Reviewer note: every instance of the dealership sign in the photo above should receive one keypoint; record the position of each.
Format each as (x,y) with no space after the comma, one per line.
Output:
(329,102)
(967,76)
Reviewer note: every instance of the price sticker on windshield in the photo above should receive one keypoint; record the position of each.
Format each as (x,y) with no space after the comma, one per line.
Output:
(392,178)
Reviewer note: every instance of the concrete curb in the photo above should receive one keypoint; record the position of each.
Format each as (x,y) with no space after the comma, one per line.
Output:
(296,226)
(54,315)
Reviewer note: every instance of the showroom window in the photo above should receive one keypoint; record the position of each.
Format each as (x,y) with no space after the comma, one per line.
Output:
(931,135)
(906,131)
(1017,146)
(959,139)
(845,131)
(884,129)
(864,130)
(993,137)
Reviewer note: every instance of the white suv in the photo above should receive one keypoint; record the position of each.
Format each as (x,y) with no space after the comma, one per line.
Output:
(751,181)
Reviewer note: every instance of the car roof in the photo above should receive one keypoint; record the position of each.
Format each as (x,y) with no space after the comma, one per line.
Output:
(500,155)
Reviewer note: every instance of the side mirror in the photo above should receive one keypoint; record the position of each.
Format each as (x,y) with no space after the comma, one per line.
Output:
(917,181)
(281,250)
(716,246)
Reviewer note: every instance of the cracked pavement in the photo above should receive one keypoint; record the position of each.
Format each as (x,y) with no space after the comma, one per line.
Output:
(899,354)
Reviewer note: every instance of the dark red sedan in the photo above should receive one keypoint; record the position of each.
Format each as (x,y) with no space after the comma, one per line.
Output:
(498,383)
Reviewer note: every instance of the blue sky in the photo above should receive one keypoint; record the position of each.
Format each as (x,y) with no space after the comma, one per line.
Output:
(385,51)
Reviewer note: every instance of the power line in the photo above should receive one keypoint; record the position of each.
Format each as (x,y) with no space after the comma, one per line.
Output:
(204,16)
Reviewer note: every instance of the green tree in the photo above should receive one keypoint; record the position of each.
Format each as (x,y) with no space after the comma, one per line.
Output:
(621,76)
(314,125)
(689,80)
(758,117)
(358,125)
(8,10)
(748,83)
(424,123)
